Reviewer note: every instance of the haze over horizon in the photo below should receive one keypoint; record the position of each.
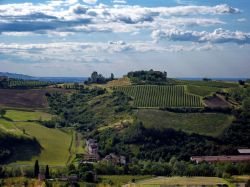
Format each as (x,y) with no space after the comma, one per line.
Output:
(72,38)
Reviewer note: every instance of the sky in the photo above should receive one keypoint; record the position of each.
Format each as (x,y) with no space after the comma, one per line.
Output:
(186,38)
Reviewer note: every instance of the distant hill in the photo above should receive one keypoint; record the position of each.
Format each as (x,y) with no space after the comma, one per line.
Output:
(47,79)
(16,76)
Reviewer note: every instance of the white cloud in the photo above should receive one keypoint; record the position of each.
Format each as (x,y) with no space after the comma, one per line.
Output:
(90,1)
(242,20)
(119,1)
(218,36)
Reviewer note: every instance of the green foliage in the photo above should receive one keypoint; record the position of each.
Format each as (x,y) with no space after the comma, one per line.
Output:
(19,83)
(98,78)
(217,84)
(202,90)
(161,96)
(14,148)
(47,174)
(89,108)
(3,82)
(210,124)
(239,94)
(148,77)
(155,144)
(2,112)
(36,169)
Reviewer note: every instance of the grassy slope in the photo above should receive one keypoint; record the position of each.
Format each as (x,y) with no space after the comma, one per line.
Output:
(9,127)
(55,143)
(203,123)
(202,90)
(18,115)
(216,84)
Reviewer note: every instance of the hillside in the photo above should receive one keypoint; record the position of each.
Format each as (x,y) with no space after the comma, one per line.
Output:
(160,96)
(145,122)
(210,124)
(16,76)
(51,146)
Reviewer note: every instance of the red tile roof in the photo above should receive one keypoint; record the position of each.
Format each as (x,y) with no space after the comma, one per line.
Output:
(237,158)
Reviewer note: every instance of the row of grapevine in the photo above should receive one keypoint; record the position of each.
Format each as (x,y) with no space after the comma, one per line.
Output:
(160,96)
(16,83)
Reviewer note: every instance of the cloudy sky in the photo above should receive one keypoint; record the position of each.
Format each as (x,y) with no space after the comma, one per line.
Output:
(186,38)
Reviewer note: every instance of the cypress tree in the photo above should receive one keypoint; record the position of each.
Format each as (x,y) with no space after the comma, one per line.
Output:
(36,169)
(47,172)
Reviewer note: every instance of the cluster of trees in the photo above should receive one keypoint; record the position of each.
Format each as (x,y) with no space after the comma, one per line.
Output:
(79,109)
(5,82)
(11,145)
(2,112)
(148,77)
(99,78)
(173,168)
(240,94)
(138,142)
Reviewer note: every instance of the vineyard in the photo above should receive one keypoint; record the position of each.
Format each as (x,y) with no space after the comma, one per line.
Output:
(160,96)
(18,83)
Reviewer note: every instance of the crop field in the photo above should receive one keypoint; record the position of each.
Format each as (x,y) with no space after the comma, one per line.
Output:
(26,98)
(216,84)
(15,83)
(19,115)
(211,124)
(179,181)
(160,96)
(202,90)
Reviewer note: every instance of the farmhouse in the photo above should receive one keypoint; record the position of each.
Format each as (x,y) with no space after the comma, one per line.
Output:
(91,146)
(92,151)
(212,159)
(115,159)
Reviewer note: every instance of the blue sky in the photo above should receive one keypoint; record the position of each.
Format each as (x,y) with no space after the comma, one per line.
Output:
(186,38)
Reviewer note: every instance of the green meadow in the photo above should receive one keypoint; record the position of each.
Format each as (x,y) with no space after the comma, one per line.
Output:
(21,115)
(56,144)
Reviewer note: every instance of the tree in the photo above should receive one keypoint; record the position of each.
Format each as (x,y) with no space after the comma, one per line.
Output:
(94,76)
(47,176)
(248,183)
(2,112)
(241,82)
(36,169)
(112,77)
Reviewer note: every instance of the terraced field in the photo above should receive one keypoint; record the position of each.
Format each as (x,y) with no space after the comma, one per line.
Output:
(160,96)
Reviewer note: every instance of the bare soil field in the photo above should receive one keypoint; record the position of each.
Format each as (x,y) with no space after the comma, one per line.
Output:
(26,98)
(216,101)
